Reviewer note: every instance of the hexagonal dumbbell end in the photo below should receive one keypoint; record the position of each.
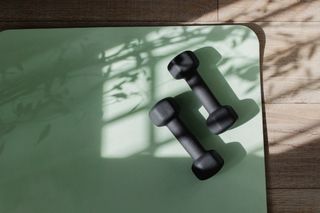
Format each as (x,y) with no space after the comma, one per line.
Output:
(183,65)
(207,165)
(163,112)
(221,119)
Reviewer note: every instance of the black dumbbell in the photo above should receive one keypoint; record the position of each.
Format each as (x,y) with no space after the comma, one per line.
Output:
(220,117)
(206,163)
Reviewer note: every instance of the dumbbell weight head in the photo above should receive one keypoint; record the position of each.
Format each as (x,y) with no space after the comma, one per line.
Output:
(206,163)
(184,66)
(221,119)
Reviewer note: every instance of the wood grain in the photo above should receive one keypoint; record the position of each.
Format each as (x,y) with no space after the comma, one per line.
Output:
(294,145)
(266,10)
(291,62)
(294,200)
(103,10)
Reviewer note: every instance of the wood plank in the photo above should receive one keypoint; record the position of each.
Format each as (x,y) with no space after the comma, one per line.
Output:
(294,145)
(295,90)
(294,200)
(62,24)
(115,10)
(266,10)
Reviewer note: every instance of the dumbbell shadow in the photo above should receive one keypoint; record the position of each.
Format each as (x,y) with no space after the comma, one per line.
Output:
(246,108)
(232,152)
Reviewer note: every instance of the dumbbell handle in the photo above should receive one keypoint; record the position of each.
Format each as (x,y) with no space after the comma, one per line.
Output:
(203,92)
(187,140)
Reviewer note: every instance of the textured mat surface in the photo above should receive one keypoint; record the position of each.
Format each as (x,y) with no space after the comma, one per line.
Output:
(75,134)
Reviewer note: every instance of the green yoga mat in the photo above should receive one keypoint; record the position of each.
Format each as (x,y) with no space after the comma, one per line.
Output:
(74,129)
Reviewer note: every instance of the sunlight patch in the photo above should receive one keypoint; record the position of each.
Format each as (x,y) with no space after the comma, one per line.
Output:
(125,137)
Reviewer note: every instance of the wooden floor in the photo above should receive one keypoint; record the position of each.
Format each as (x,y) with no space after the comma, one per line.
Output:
(290,32)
